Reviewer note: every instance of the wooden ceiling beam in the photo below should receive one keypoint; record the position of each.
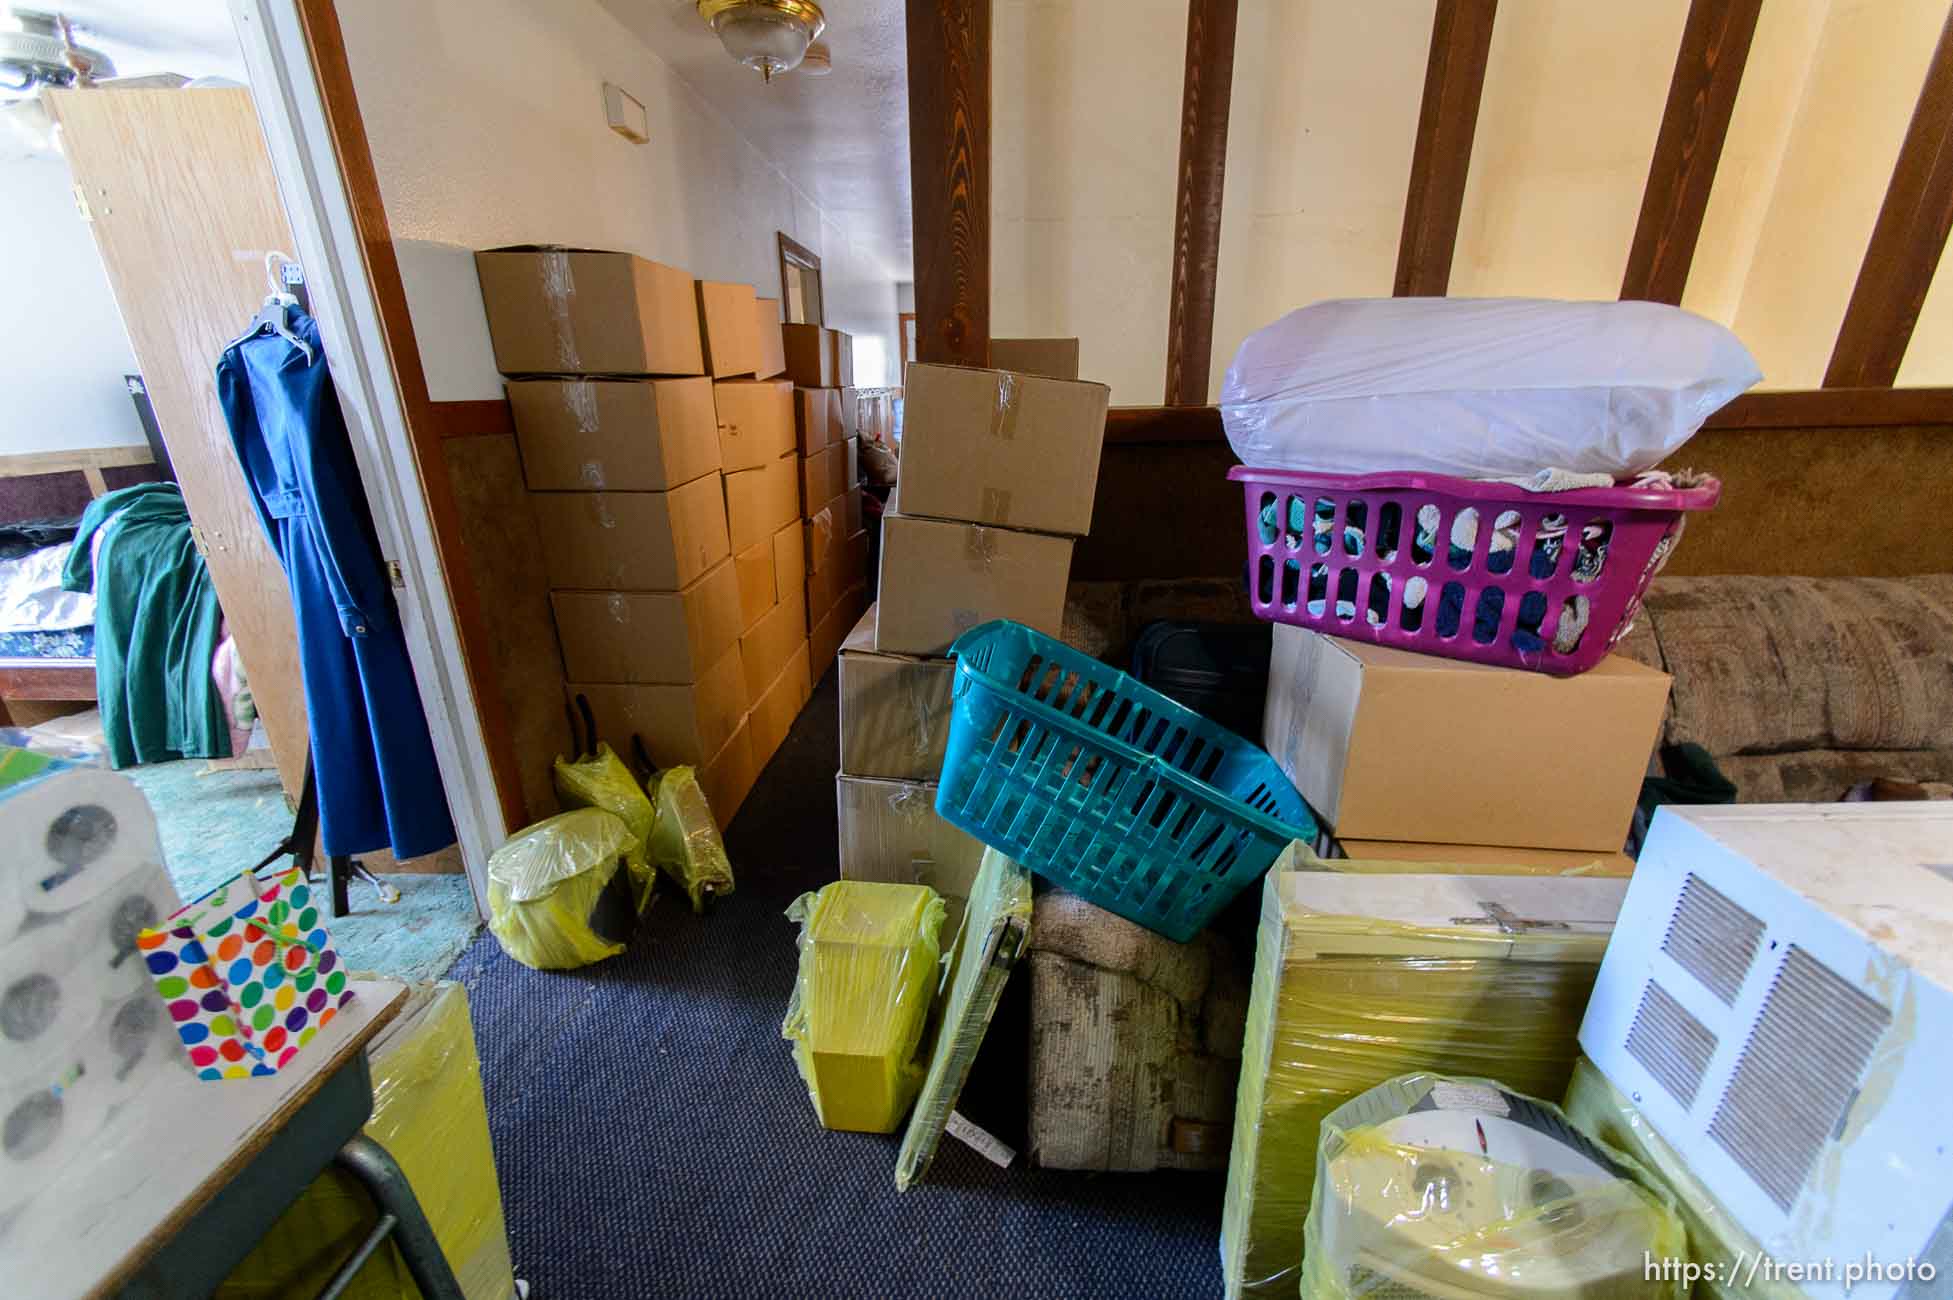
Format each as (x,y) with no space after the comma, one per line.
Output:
(1204,100)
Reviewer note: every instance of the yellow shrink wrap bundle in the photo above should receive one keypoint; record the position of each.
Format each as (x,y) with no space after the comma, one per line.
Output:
(685,842)
(870,960)
(559,892)
(1359,979)
(599,779)
(1727,1254)
(429,1114)
(1433,1185)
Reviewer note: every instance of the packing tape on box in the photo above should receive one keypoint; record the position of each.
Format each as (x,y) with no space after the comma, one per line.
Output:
(996,504)
(600,503)
(580,400)
(1003,417)
(925,712)
(823,522)
(980,548)
(559,286)
(620,611)
(592,474)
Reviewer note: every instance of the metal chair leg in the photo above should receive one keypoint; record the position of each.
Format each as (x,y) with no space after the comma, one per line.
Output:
(369,1162)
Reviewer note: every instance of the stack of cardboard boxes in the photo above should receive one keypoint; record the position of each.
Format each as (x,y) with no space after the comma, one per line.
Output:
(652,451)
(1411,758)
(820,363)
(997,479)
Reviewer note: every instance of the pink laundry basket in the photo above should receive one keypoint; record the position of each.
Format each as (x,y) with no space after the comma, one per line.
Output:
(1546,581)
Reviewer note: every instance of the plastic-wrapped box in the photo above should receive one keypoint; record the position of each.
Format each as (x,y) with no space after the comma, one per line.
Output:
(685,842)
(429,1114)
(1359,979)
(869,963)
(559,894)
(599,779)
(1430,1185)
(1599,1109)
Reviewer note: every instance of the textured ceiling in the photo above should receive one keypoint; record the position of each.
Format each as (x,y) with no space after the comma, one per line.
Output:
(843,138)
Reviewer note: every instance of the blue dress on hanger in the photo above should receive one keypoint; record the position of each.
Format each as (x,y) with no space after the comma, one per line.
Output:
(371,754)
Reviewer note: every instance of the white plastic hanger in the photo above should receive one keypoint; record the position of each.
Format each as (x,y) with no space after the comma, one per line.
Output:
(274,315)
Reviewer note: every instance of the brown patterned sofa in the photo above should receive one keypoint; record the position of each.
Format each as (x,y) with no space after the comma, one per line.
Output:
(1803,687)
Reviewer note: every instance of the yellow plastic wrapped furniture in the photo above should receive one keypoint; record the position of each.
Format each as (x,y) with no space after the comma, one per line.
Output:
(685,842)
(599,779)
(1359,979)
(1715,1240)
(559,894)
(995,929)
(1428,1185)
(869,965)
(429,1114)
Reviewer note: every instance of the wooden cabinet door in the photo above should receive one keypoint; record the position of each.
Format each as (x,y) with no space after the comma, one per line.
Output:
(179,190)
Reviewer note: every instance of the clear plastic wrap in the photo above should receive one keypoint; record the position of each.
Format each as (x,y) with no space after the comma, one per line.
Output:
(1598,1109)
(1429,1185)
(550,898)
(429,1114)
(1341,1003)
(600,779)
(870,958)
(996,928)
(1478,387)
(685,842)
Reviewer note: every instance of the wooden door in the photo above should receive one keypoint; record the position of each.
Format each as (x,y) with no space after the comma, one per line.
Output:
(179,191)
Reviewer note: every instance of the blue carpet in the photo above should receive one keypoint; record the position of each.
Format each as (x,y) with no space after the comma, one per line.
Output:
(653,1138)
(215,824)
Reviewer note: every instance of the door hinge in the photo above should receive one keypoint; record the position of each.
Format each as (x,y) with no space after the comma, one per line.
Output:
(394,575)
(81,202)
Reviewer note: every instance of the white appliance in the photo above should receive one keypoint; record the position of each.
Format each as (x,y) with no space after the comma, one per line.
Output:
(1777,1000)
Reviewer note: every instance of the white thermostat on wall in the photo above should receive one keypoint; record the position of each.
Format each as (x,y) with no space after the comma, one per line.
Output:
(625,115)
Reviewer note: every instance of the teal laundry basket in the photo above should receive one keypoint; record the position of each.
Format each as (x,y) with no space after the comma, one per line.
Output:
(1105,786)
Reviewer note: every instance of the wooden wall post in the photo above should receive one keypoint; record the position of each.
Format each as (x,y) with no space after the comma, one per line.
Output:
(1204,101)
(949,170)
(1454,82)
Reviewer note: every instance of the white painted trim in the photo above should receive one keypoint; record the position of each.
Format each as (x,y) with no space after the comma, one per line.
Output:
(292,113)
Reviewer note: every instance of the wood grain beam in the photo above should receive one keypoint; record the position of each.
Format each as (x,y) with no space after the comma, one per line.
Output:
(1454,83)
(320,21)
(1204,99)
(472,419)
(1907,239)
(1701,97)
(949,172)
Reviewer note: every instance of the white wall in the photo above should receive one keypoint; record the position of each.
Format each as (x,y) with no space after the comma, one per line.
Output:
(486,124)
(63,350)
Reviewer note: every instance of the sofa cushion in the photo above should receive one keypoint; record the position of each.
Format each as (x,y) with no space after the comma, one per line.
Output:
(1823,775)
(1769,665)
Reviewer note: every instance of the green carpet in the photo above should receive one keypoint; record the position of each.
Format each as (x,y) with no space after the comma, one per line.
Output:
(215,824)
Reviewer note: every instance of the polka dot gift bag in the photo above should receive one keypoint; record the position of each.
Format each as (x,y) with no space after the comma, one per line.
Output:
(248,974)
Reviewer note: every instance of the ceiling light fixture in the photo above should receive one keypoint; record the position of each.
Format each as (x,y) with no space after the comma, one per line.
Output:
(819,61)
(768,36)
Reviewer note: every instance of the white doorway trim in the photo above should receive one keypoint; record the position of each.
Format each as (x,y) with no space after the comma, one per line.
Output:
(292,113)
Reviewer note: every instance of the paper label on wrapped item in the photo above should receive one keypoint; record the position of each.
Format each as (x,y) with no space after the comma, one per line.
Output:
(978,1140)
(1474,1097)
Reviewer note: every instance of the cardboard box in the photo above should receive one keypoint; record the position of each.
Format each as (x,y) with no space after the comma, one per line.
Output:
(831,628)
(726,319)
(894,709)
(1389,745)
(567,311)
(853,448)
(777,707)
(679,724)
(618,435)
(1049,358)
(760,502)
(770,355)
(789,560)
(823,475)
(847,565)
(728,776)
(766,649)
(850,412)
(851,511)
(1486,860)
(810,356)
(941,579)
(822,534)
(649,636)
(890,832)
(755,418)
(988,447)
(841,347)
(758,582)
(813,425)
(632,541)
(836,424)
